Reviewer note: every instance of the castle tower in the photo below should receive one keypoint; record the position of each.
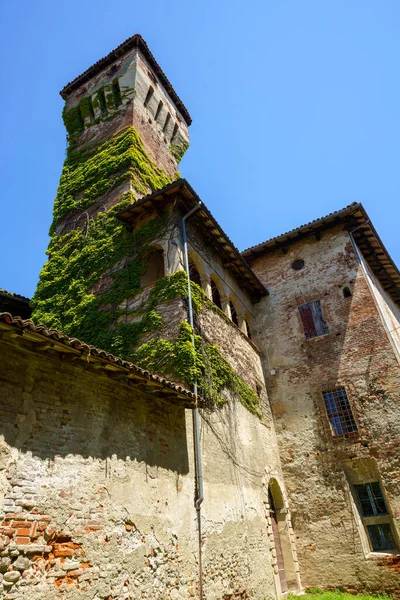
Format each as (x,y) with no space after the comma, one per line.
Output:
(127,131)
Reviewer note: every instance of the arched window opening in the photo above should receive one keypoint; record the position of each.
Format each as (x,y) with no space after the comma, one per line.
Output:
(234,317)
(194,274)
(248,331)
(215,295)
(346,292)
(288,575)
(154,269)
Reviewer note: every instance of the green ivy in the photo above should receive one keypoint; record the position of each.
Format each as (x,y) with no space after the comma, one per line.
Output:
(178,150)
(202,363)
(93,171)
(73,122)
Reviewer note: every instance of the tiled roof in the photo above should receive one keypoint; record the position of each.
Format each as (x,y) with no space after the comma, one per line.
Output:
(355,219)
(286,237)
(13,295)
(136,41)
(46,339)
(211,229)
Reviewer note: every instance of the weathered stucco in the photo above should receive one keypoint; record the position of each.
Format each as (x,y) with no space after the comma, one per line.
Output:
(357,354)
(98,483)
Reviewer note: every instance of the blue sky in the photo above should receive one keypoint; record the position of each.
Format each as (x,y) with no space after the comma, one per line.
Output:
(295,108)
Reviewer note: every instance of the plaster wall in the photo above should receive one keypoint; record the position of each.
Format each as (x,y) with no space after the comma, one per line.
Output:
(355,354)
(97,488)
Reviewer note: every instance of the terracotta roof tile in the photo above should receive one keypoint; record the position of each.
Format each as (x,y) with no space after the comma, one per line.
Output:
(159,385)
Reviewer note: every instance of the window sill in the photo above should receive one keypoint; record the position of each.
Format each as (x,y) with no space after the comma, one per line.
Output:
(345,438)
(317,337)
(380,555)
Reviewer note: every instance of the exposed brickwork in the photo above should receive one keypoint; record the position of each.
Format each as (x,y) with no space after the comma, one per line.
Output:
(355,354)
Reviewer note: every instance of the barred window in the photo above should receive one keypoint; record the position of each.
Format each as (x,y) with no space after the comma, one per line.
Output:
(381,537)
(313,319)
(371,500)
(339,413)
(375,516)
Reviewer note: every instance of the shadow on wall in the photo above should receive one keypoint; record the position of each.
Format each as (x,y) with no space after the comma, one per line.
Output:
(51,408)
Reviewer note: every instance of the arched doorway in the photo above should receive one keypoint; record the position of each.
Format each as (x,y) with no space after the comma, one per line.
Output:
(281,533)
(277,540)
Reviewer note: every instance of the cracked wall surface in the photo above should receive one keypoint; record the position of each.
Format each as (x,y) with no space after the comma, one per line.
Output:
(356,354)
(97,484)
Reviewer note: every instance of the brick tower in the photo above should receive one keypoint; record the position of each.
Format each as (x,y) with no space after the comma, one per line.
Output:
(127,131)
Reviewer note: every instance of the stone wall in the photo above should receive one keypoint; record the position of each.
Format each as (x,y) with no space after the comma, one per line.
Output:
(356,354)
(97,489)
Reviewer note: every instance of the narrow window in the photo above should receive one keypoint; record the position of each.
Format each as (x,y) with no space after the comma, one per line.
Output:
(346,292)
(215,295)
(102,101)
(116,93)
(233,314)
(174,132)
(375,516)
(313,320)
(194,275)
(154,269)
(158,111)
(339,413)
(167,120)
(149,95)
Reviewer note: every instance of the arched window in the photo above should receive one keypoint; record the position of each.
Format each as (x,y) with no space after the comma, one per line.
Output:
(234,317)
(215,295)
(194,274)
(154,269)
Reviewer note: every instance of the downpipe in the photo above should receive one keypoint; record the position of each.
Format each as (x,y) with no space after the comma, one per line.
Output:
(195,411)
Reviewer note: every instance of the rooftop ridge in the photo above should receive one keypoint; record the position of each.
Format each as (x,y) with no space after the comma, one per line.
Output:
(136,41)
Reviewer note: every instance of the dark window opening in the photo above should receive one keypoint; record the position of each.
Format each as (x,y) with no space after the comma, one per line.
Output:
(194,275)
(167,120)
(339,412)
(248,332)
(149,95)
(381,537)
(234,317)
(116,93)
(175,131)
(159,109)
(155,268)
(313,320)
(371,500)
(102,101)
(298,264)
(113,70)
(215,295)
(346,292)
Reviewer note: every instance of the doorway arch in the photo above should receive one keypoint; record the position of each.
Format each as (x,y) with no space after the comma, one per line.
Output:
(280,531)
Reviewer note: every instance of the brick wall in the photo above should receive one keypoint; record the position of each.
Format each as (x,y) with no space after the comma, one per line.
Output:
(97,488)
(356,354)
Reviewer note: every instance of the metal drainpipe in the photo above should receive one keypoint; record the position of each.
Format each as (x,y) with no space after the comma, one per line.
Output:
(366,275)
(195,412)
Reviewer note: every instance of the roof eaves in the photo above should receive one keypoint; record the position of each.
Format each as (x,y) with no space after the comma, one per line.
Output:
(286,237)
(91,354)
(183,184)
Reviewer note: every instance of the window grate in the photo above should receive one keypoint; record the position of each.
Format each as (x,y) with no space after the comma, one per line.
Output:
(381,537)
(371,500)
(339,413)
